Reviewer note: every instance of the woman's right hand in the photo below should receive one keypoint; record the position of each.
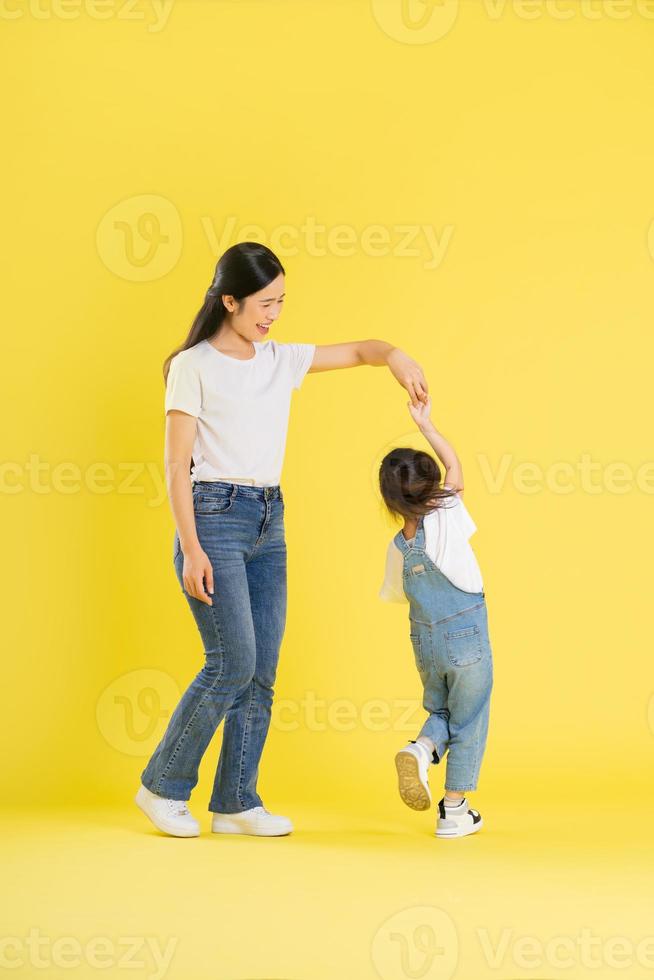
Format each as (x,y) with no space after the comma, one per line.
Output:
(197,570)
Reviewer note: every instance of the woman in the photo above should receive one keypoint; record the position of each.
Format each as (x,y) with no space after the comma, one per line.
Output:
(227,406)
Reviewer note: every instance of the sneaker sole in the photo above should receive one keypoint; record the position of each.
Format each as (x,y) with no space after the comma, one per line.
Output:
(411,788)
(238,831)
(462,833)
(162,826)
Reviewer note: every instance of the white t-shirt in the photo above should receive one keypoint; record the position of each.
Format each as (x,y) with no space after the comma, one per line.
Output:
(242,407)
(447,530)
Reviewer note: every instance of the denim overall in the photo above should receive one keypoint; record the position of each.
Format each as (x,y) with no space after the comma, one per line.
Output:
(449,633)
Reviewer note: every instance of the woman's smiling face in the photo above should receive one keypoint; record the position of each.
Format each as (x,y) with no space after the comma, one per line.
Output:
(253,316)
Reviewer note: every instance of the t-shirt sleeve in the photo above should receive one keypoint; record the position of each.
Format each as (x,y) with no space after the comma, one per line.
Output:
(466,522)
(183,387)
(392,589)
(300,357)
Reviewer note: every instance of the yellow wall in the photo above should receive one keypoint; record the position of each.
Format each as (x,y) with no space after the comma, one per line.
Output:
(515,142)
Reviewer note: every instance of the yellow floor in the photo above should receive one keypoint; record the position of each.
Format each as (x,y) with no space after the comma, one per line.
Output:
(554,892)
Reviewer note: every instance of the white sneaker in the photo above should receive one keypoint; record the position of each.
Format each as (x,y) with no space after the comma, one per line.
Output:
(170,816)
(412,764)
(257,821)
(457,821)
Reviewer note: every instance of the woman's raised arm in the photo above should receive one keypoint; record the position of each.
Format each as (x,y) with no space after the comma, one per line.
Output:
(375,353)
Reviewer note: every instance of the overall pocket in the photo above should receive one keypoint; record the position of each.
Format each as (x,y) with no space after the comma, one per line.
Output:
(416,642)
(463,645)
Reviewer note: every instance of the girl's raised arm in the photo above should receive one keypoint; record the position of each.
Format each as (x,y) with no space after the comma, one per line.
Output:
(443,449)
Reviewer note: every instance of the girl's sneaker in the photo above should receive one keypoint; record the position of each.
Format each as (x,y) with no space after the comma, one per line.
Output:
(412,764)
(457,821)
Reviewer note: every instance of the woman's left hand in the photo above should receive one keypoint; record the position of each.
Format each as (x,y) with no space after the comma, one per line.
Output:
(409,373)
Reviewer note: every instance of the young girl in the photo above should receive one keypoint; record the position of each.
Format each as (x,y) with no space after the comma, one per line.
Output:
(228,397)
(431,565)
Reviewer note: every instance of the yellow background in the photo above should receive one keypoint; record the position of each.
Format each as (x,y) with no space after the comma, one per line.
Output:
(522,137)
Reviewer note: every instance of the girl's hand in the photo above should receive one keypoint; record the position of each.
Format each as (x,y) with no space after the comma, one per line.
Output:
(409,373)
(197,569)
(421,413)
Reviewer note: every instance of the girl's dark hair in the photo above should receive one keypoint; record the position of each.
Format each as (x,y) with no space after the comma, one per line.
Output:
(410,483)
(243,269)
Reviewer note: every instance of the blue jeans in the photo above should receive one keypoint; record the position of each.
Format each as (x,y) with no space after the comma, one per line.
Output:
(449,633)
(241,529)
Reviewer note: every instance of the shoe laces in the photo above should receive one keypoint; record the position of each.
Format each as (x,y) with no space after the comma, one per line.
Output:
(178,807)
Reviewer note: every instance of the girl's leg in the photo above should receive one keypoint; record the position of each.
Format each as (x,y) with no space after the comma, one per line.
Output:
(227,633)
(248,718)
(470,682)
(435,692)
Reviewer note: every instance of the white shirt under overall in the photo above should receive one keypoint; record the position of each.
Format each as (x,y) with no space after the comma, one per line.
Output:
(447,529)
(242,407)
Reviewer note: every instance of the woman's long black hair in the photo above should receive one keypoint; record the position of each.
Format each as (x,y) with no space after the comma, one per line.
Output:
(410,483)
(243,269)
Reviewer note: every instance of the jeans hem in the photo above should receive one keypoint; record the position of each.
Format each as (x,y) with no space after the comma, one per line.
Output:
(164,795)
(225,810)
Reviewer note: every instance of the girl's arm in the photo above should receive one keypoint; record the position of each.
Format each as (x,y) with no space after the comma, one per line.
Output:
(443,449)
(180,437)
(376,353)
